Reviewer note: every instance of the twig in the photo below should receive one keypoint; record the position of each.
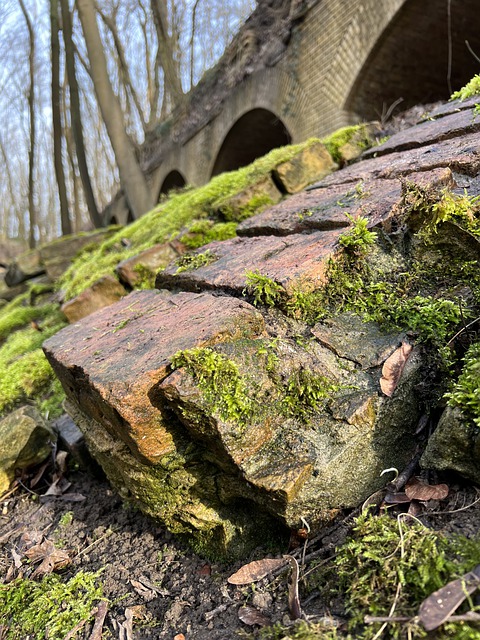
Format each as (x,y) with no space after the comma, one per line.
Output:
(472,51)
(94,543)
(464,328)
(449,27)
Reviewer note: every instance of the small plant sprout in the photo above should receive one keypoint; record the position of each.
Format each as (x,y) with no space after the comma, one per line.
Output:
(358,238)
(265,291)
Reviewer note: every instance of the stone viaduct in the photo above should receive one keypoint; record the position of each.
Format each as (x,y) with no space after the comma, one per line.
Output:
(309,68)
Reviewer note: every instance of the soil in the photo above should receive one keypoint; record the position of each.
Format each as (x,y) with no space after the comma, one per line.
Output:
(182,593)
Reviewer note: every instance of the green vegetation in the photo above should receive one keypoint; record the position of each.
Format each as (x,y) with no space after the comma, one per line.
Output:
(358,238)
(466,392)
(192,261)
(237,212)
(472,88)
(357,134)
(396,560)
(167,220)
(202,232)
(305,393)
(50,608)
(26,372)
(219,379)
(19,313)
(265,291)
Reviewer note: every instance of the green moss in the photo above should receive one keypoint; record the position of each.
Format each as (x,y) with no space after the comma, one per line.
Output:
(14,316)
(265,291)
(472,88)
(192,261)
(146,277)
(305,393)
(357,238)
(49,608)
(238,212)
(396,560)
(343,136)
(219,379)
(466,392)
(26,372)
(203,232)
(168,218)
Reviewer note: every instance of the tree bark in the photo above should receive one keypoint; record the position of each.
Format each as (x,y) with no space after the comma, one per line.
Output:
(57,120)
(76,118)
(166,48)
(132,179)
(31,110)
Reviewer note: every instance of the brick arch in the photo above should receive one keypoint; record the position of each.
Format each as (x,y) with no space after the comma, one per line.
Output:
(253,135)
(173,180)
(271,90)
(409,58)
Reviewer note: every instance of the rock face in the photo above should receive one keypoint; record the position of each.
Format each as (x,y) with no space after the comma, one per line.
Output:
(296,431)
(214,415)
(105,291)
(25,440)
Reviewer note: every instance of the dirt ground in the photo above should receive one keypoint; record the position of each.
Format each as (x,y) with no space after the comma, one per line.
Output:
(147,571)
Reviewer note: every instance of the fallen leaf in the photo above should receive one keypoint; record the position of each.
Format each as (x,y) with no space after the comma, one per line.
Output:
(51,558)
(416,489)
(396,498)
(58,487)
(206,570)
(99,620)
(393,367)
(146,593)
(255,570)
(293,598)
(252,616)
(179,636)
(439,606)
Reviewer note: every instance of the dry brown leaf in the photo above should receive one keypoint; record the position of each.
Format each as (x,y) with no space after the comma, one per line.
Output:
(439,606)
(255,570)
(396,498)
(393,367)
(293,597)
(142,590)
(50,558)
(99,620)
(416,489)
(252,616)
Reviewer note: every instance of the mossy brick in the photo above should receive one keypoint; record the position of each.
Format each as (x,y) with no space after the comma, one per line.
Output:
(102,293)
(309,165)
(288,260)
(58,255)
(111,362)
(461,154)
(160,255)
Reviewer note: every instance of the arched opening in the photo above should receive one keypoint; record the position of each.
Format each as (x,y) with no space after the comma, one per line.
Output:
(113,220)
(411,58)
(173,180)
(252,136)
(130,217)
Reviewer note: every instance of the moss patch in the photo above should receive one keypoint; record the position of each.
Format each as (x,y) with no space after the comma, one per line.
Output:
(49,608)
(466,392)
(472,88)
(335,141)
(26,372)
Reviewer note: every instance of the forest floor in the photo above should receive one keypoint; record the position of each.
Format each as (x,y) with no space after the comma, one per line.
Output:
(156,587)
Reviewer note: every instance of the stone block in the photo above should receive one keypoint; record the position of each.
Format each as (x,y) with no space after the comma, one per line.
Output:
(104,292)
(25,266)
(25,441)
(249,201)
(132,270)
(313,163)
(57,256)
(111,362)
(289,260)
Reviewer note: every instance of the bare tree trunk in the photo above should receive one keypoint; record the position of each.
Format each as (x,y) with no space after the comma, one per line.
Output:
(57,120)
(132,179)
(76,116)
(167,48)
(31,110)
